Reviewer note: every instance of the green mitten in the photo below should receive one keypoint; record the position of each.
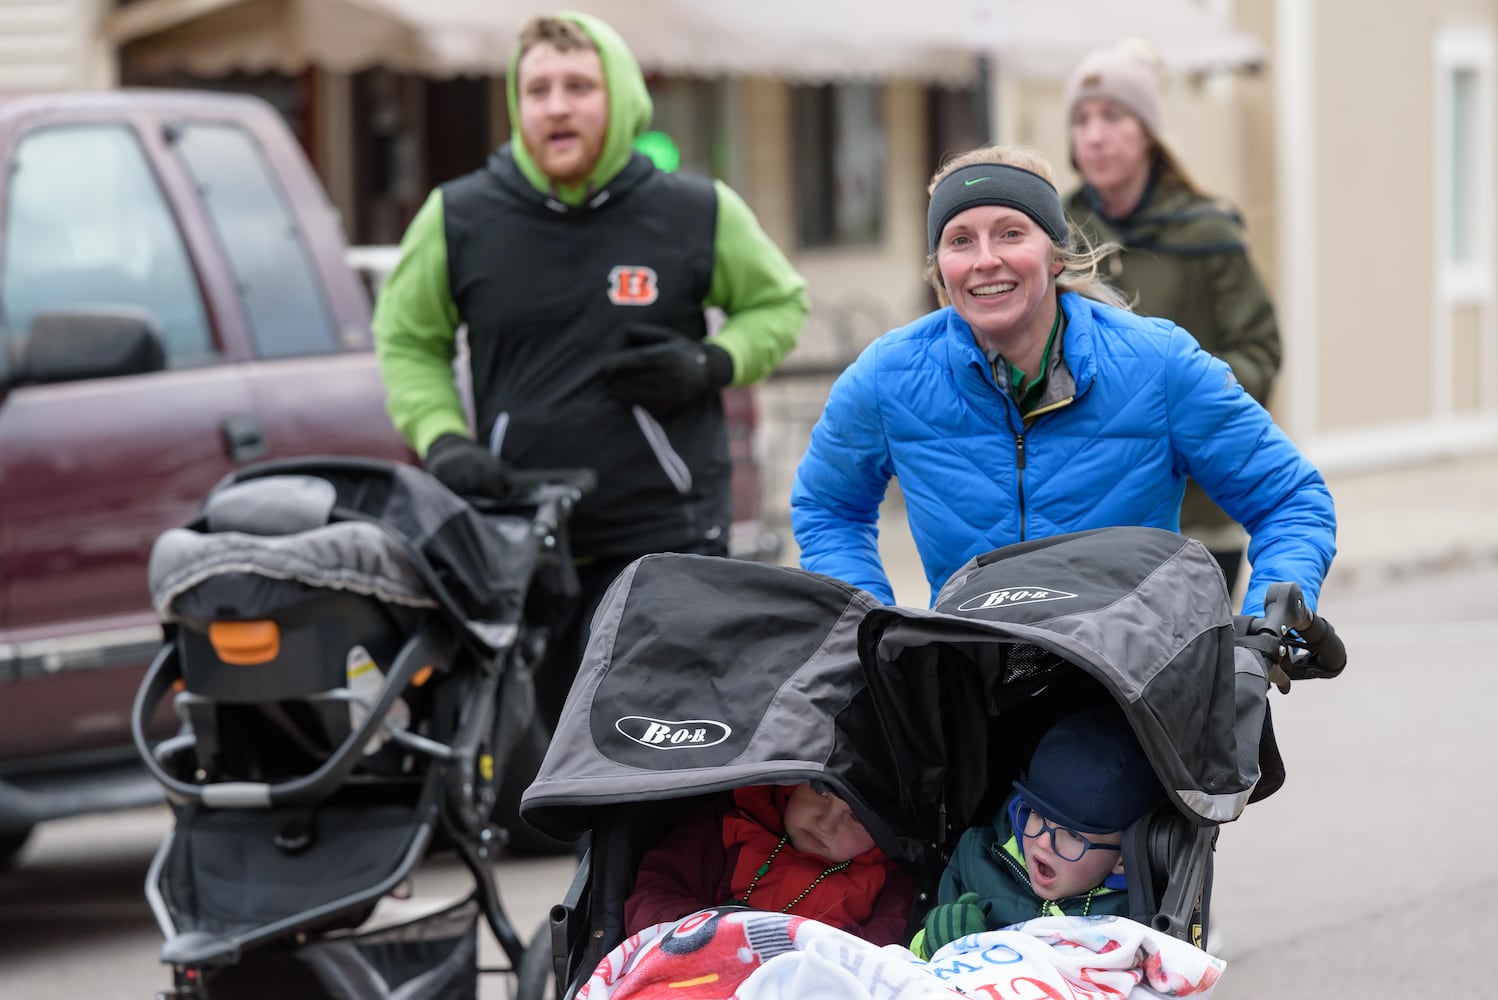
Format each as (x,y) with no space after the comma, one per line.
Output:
(950,921)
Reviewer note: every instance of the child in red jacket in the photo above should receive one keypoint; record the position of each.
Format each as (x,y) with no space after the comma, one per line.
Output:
(794,848)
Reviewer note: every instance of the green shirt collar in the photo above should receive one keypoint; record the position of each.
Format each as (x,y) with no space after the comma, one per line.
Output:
(1027,393)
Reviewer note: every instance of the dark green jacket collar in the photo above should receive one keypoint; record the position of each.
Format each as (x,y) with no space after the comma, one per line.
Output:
(1168,219)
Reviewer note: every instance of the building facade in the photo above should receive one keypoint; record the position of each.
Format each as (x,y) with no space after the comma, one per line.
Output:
(1361,155)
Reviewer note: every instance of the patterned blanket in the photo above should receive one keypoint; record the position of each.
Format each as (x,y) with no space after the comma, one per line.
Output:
(725,952)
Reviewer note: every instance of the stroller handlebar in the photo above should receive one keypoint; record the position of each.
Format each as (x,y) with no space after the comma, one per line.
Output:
(551,492)
(1299,644)
(314,787)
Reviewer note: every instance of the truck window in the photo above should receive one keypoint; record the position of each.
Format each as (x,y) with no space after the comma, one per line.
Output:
(87,224)
(282,299)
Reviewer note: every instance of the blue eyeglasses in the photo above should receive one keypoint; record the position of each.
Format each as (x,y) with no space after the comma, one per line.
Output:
(1069,845)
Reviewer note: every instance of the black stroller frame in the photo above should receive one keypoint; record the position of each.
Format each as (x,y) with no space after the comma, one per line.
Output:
(455,598)
(920,719)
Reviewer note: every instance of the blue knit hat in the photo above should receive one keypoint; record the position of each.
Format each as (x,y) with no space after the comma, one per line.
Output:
(1089,774)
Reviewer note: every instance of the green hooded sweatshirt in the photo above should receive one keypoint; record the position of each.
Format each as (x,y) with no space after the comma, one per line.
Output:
(1184,258)
(415,318)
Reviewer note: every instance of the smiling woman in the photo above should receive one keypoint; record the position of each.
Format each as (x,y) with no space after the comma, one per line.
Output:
(1035,404)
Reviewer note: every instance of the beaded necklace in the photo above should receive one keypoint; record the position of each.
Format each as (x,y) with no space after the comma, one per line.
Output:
(760,872)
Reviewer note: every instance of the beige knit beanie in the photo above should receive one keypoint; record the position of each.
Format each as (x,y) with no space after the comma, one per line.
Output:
(1128,73)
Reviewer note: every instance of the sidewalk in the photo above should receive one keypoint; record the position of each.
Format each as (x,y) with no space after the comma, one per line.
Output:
(1417,519)
(1390,524)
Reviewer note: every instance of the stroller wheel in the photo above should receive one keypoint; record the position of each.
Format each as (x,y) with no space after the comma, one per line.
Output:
(519,772)
(536,976)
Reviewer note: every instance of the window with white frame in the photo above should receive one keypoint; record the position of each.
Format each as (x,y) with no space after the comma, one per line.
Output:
(1465,207)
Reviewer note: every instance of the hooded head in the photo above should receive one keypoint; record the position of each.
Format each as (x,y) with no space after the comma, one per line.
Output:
(1089,774)
(1127,74)
(1124,77)
(565,141)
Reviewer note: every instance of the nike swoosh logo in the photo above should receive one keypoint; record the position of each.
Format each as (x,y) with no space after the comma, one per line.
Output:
(975,180)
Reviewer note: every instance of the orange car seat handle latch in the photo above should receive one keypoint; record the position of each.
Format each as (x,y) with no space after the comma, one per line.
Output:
(245,644)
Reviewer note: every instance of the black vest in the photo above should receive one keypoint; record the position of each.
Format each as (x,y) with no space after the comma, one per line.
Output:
(546,290)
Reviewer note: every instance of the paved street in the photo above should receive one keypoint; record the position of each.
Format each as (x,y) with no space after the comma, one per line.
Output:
(1370,871)
(1364,876)
(74,921)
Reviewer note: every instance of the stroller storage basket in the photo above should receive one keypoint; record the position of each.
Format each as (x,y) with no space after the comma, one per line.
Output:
(434,956)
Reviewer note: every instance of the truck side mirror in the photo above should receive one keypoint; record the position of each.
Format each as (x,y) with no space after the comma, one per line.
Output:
(85,343)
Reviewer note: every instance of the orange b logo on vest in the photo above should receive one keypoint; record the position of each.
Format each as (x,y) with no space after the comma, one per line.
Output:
(632,286)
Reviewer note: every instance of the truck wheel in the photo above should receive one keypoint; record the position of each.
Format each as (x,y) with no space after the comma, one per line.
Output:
(12,839)
(519,773)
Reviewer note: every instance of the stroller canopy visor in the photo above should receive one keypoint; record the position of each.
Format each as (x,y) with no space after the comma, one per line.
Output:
(376,528)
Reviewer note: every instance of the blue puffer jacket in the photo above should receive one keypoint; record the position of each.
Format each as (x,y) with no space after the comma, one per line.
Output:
(1150,408)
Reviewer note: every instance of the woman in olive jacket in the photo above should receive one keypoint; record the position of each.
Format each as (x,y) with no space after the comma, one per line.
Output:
(1182,254)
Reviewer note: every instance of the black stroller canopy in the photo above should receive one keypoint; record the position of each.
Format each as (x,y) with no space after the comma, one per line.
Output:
(706,674)
(1141,611)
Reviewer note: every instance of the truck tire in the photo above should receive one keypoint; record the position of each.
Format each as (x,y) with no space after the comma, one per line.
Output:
(12,840)
(521,770)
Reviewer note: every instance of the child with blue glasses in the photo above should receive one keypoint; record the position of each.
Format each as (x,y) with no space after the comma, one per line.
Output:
(1055,846)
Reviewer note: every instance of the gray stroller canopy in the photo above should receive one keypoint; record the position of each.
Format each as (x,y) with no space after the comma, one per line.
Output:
(705,674)
(376,528)
(1143,612)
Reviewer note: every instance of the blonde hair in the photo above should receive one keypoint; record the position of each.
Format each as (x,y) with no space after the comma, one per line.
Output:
(560,33)
(1079,259)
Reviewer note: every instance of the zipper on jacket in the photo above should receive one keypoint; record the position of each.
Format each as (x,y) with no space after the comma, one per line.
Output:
(1048,408)
(1019,456)
(671,463)
(497,434)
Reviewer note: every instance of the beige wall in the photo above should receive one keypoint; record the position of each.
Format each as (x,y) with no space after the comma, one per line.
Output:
(1374,184)
(877,286)
(1466,329)
(54,46)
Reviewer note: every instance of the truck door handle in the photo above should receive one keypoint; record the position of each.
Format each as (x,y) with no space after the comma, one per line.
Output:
(244,438)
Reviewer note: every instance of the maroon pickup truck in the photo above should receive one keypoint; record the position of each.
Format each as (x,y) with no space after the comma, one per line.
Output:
(175,301)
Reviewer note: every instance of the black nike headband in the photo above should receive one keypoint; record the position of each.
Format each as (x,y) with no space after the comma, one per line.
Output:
(995,184)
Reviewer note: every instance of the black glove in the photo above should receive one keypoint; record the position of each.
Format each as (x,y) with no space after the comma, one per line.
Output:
(662,369)
(950,921)
(466,467)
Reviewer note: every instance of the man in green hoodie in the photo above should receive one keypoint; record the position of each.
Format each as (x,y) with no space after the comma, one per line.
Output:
(582,273)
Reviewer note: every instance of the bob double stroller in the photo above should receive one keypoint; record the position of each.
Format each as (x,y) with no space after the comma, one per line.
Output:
(349,649)
(703,675)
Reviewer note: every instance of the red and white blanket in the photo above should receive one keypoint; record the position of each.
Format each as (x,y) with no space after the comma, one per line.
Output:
(750,955)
